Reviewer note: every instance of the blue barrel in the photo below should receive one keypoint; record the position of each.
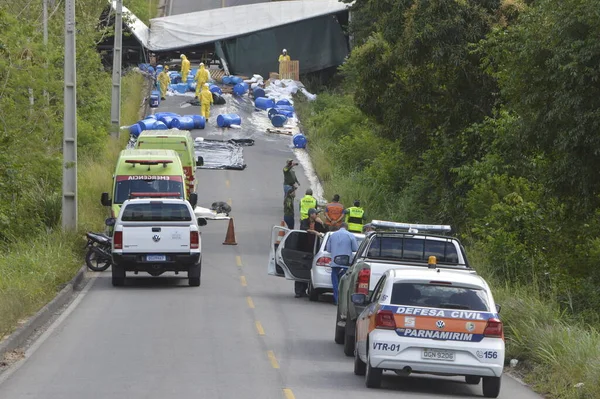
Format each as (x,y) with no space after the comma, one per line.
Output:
(135,130)
(151,70)
(193,72)
(146,124)
(240,88)
(289,108)
(159,68)
(199,121)
(272,112)
(167,120)
(299,140)
(236,79)
(283,102)
(183,123)
(226,80)
(154,100)
(227,120)
(159,126)
(278,120)
(264,103)
(175,77)
(181,87)
(285,112)
(159,115)
(191,86)
(258,92)
(151,117)
(215,89)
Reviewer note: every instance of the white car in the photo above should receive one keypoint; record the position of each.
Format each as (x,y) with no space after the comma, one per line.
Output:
(299,256)
(430,321)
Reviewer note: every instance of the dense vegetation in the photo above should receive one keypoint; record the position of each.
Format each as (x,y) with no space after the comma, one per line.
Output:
(35,256)
(484,115)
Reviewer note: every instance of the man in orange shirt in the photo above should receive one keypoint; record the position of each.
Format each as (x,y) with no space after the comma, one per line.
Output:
(334,213)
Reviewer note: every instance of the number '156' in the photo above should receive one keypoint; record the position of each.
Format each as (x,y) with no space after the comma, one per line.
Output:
(490,355)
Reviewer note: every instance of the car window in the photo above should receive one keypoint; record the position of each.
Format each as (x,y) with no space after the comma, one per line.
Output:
(439,296)
(378,289)
(156,211)
(415,249)
(300,241)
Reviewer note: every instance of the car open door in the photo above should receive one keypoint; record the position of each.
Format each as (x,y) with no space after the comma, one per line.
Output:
(295,255)
(277,235)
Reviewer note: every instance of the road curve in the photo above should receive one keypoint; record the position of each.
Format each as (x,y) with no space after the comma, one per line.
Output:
(242,334)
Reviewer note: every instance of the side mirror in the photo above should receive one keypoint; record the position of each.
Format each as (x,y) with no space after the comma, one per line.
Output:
(110,222)
(202,222)
(358,299)
(342,260)
(498,308)
(200,161)
(193,199)
(104,200)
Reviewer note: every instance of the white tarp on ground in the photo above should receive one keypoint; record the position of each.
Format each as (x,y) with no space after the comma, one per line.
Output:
(196,28)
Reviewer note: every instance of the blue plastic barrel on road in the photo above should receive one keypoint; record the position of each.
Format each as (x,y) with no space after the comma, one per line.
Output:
(240,88)
(159,126)
(215,89)
(167,120)
(264,103)
(283,102)
(236,79)
(199,121)
(258,92)
(159,115)
(135,130)
(147,124)
(226,80)
(183,123)
(226,120)
(299,140)
(278,120)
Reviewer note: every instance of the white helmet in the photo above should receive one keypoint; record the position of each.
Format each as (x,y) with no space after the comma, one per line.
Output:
(284,50)
(182,56)
(206,85)
(202,64)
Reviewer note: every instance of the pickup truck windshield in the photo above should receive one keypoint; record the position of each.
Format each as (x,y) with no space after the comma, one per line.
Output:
(412,249)
(439,296)
(146,184)
(156,212)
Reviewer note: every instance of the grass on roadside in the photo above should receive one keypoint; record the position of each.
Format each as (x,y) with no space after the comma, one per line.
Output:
(32,271)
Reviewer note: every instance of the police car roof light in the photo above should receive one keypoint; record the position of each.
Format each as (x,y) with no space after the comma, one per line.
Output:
(409,226)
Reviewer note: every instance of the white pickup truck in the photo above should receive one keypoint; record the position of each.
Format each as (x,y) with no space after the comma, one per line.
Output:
(156,236)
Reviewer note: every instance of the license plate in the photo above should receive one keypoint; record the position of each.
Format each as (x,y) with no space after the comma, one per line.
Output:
(156,258)
(436,354)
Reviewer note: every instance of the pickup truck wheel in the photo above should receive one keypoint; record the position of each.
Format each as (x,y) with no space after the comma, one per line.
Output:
(313,294)
(372,375)
(118,276)
(194,275)
(349,338)
(491,387)
(339,331)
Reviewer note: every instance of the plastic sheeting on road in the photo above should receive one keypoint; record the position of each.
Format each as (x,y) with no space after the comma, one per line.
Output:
(222,154)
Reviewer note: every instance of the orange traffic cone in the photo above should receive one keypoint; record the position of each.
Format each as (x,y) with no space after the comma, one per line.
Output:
(281,233)
(230,237)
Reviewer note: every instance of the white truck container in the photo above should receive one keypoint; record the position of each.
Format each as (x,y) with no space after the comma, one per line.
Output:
(156,236)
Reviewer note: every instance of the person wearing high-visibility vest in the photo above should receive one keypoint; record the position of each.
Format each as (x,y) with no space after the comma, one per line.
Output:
(284,56)
(355,217)
(307,202)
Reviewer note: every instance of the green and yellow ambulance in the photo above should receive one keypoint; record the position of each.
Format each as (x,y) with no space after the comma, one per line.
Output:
(177,140)
(147,174)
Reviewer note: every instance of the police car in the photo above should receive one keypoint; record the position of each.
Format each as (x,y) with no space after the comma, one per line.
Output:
(430,321)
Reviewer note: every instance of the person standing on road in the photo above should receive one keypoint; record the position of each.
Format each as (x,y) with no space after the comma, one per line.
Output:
(206,99)
(334,213)
(314,226)
(201,78)
(342,242)
(307,202)
(185,68)
(284,56)
(289,176)
(164,80)
(288,208)
(355,217)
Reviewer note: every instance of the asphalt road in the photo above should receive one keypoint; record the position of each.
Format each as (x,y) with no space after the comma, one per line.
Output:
(242,334)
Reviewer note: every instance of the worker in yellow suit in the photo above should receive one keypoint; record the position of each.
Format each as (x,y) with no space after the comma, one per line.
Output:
(284,56)
(164,80)
(201,78)
(206,99)
(185,68)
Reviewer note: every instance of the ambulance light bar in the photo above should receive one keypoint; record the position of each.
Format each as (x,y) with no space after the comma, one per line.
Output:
(412,228)
(149,162)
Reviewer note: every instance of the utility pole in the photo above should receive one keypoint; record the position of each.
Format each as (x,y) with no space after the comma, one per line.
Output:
(115,109)
(69,198)
(45,2)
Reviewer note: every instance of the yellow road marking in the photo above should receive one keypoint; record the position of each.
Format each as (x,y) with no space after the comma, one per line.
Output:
(229,201)
(288,393)
(243,281)
(238,260)
(250,302)
(273,359)
(259,328)
(227,183)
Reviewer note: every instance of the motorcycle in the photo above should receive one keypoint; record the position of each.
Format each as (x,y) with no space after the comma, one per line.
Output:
(98,257)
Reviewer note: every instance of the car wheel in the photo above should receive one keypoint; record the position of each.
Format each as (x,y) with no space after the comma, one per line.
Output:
(349,338)
(194,275)
(339,331)
(491,387)
(472,379)
(372,375)
(313,294)
(360,367)
(118,276)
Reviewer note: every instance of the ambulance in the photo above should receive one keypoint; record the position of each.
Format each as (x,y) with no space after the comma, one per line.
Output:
(147,174)
(431,321)
(179,141)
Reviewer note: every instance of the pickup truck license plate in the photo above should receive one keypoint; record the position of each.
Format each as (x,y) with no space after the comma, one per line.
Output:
(156,258)
(436,354)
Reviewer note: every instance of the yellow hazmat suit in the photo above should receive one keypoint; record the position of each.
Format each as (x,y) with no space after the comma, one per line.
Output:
(206,99)
(284,57)
(200,78)
(164,80)
(185,68)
